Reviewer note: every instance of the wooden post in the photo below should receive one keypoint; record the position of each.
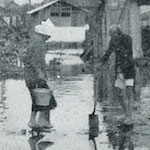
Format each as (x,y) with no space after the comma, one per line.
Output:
(136,42)
(136,29)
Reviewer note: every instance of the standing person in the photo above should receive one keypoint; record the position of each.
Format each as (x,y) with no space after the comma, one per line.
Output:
(35,75)
(121,44)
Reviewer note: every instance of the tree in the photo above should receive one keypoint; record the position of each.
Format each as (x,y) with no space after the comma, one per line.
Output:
(13,40)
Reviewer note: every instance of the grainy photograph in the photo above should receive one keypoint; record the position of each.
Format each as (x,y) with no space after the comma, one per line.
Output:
(74,74)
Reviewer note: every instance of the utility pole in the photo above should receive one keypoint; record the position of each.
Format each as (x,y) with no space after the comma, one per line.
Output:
(29,2)
(136,29)
(137,42)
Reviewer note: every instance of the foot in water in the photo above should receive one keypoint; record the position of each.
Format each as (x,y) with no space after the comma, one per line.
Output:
(46,126)
(32,124)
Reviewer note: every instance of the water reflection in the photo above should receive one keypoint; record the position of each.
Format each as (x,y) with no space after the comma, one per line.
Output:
(35,143)
(119,134)
(71,116)
(94,144)
(122,138)
(75,102)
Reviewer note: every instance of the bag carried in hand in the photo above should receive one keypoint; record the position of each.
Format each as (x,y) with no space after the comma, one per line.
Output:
(53,103)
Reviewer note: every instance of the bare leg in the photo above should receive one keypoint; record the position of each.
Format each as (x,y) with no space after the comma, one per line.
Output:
(130,98)
(121,99)
(32,121)
(44,113)
(44,119)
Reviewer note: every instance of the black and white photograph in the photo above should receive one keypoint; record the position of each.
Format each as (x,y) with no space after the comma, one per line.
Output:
(74,74)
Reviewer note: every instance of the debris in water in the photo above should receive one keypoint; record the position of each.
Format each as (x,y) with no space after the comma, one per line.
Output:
(23,131)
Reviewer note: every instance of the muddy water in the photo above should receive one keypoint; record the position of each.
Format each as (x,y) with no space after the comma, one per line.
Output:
(74,96)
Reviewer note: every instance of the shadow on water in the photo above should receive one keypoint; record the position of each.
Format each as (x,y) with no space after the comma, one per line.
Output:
(36,144)
(119,134)
(94,143)
(121,139)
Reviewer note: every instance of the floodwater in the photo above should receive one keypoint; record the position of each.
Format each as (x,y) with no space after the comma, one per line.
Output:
(74,95)
(65,56)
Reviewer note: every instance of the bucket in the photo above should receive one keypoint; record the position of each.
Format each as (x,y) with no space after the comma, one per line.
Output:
(42,96)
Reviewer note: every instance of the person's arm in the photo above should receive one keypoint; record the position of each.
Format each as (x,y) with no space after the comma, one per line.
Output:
(128,56)
(108,52)
(37,59)
(41,74)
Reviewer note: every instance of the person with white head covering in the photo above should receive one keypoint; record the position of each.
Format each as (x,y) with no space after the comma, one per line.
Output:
(121,45)
(35,75)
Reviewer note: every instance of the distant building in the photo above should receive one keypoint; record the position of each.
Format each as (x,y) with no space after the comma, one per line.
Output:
(60,12)
(145,19)
(12,14)
(143,2)
(65,12)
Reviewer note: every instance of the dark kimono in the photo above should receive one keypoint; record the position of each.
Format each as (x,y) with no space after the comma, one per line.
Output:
(34,61)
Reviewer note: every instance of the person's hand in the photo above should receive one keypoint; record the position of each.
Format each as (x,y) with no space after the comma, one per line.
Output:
(141,62)
(49,84)
(41,75)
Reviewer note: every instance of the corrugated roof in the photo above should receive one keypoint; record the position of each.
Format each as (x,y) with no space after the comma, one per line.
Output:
(144,15)
(144,9)
(42,7)
(76,3)
(144,2)
(84,3)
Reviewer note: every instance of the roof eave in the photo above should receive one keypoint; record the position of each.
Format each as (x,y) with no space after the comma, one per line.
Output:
(41,7)
(49,4)
(143,2)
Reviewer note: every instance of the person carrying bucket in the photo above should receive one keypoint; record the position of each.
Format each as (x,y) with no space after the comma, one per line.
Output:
(121,44)
(35,76)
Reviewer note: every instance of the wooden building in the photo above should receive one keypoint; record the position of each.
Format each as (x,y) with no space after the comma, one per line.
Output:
(12,14)
(60,12)
(145,19)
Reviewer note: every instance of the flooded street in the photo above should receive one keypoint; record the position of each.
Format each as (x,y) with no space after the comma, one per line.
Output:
(96,55)
(74,95)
